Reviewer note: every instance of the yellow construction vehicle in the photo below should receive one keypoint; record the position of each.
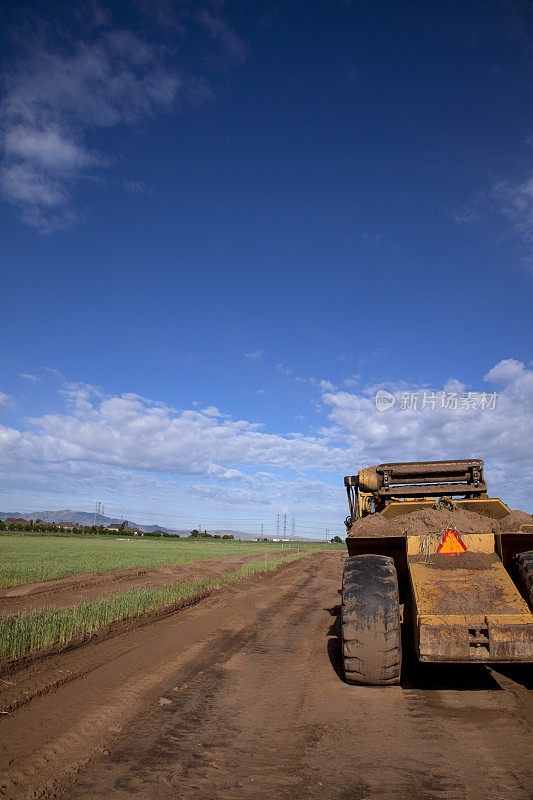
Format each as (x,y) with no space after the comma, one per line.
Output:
(468,596)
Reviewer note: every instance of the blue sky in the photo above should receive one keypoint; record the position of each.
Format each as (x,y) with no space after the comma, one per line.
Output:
(226,225)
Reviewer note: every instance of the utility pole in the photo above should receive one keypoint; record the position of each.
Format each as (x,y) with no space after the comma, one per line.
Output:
(277,526)
(293,529)
(262,530)
(327,535)
(284,526)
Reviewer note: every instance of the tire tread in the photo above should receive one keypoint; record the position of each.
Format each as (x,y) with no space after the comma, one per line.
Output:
(370,618)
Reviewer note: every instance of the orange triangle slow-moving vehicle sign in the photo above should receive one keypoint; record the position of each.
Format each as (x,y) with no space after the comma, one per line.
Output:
(451,544)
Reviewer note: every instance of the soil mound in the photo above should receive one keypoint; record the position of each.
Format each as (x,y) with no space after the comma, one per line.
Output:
(468,560)
(426,520)
(513,521)
(373,525)
(431,520)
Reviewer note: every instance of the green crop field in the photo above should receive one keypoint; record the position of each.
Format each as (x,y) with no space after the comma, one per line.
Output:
(30,632)
(25,559)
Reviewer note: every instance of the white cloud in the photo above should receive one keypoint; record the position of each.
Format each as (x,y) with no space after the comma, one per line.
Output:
(254,355)
(55,97)
(137,433)
(144,454)
(231,497)
(47,148)
(453,385)
(232,45)
(353,380)
(27,376)
(513,201)
(284,370)
(145,449)
(26,185)
(212,411)
(507,371)
(503,436)
(138,187)
(4,400)
(55,372)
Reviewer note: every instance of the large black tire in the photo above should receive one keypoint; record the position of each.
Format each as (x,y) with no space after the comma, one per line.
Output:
(523,563)
(370,619)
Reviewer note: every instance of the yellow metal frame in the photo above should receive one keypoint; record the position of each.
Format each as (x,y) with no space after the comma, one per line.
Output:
(495,623)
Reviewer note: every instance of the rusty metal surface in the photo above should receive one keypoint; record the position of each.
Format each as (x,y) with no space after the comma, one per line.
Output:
(466,607)
(428,467)
(436,478)
(373,488)
(482,641)
(469,614)
(433,489)
(491,507)
(464,590)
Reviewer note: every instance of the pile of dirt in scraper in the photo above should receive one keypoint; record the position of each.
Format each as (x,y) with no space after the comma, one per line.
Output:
(512,521)
(373,525)
(427,520)
(430,520)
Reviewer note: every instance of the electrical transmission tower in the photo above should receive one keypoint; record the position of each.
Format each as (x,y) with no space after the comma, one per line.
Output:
(293,529)
(284,526)
(277,526)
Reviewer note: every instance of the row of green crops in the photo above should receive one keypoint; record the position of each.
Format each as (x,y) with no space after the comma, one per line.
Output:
(24,559)
(36,630)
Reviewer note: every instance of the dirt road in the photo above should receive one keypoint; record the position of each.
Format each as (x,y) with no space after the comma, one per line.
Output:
(240,697)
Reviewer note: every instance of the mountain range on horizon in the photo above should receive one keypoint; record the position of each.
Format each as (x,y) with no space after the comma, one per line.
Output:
(70,517)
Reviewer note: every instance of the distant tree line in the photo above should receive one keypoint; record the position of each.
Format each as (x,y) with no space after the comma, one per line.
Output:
(195,534)
(100,530)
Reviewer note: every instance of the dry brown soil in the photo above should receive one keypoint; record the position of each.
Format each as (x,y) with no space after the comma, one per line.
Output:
(430,520)
(514,520)
(242,696)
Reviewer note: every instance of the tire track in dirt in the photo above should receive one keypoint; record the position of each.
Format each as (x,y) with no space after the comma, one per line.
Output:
(73,723)
(241,697)
(222,745)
